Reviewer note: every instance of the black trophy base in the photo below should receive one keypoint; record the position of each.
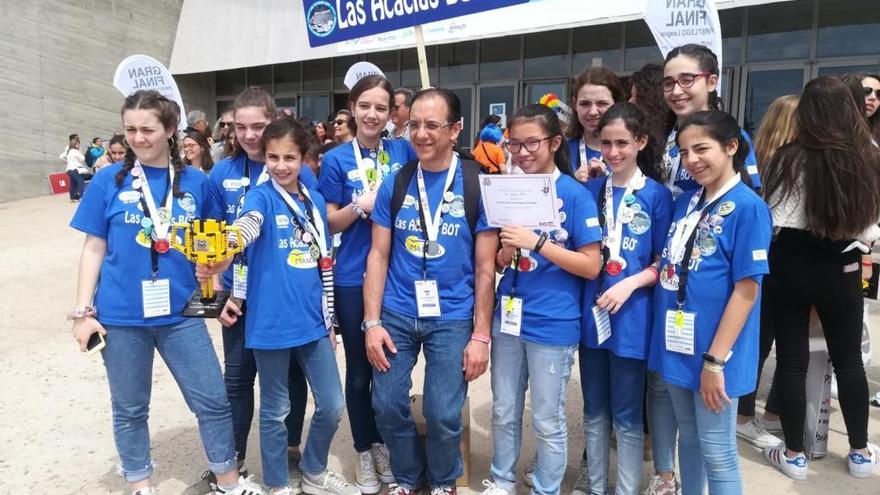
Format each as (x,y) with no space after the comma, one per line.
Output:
(197,307)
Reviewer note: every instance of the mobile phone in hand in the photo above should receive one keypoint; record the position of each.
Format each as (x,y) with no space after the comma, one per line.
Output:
(96,343)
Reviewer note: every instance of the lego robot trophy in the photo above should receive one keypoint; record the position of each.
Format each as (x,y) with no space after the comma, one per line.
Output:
(206,241)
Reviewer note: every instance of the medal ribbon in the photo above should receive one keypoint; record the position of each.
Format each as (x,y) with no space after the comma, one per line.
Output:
(362,165)
(614,225)
(311,221)
(161,227)
(687,225)
(431,223)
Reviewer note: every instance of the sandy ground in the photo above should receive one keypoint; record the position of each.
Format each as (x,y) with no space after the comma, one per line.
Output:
(55,426)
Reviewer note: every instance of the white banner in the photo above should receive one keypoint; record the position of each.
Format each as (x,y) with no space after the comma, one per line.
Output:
(680,22)
(142,72)
(359,71)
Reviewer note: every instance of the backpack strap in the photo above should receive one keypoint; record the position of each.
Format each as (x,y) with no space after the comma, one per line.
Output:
(401,184)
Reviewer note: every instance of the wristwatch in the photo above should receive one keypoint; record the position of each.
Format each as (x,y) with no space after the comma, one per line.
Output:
(714,360)
(368,324)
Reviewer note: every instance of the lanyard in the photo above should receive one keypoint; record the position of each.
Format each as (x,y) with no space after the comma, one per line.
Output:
(685,228)
(614,231)
(313,224)
(582,153)
(671,164)
(431,223)
(364,166)
(156,220)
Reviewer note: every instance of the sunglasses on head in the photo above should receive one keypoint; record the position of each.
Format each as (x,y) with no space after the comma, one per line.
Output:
(868,92)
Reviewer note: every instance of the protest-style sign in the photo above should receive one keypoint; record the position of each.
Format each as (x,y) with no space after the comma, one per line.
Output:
(144,72)
(679,22)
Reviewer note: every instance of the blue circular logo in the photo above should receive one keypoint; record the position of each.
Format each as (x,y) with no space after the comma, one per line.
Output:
(321,19)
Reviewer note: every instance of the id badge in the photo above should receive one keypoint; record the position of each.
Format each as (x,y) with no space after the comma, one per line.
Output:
(680,331)
(427,298)
(239,281)
(156,297)
(511,315)
(603,324)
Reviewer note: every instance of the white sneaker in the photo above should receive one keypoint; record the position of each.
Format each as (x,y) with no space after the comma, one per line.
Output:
(287,490)
(295,474)
(659,486)
(772,425)
(493,489)
(246,486)
(529,473)
(875,400)
(147,490)
(834,387)
(861,466)
(794,468)
(382,463)
(329,483)
(365,474)
(582,483)
(753,431)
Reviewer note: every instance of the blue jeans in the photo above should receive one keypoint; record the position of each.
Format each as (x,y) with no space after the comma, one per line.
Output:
(240,373)
(77,184)
(707,444)
(319,364)
(445,390)
(516,364)
(661,423)
(358,371)
(189,354)
(613,389)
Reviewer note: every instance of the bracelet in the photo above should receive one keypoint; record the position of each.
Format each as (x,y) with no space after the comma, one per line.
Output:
(713,368)
(865,263)
(84,312)
(357,209)
(656,273)
(481,338)
(541,241)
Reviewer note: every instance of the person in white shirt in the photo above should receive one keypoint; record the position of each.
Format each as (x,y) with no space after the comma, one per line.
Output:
(76,167)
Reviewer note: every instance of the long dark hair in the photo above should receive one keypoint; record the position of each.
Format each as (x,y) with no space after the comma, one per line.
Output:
(855,83)
(597,76)
(636,122)
(832,165)
(722,128)
(707,61)
(169,116)
(546,118)
(202,142)
(648,85)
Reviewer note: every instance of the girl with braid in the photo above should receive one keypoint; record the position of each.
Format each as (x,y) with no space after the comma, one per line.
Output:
(132,288)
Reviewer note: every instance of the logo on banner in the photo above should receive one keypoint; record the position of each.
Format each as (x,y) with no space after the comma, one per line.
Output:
(321,19)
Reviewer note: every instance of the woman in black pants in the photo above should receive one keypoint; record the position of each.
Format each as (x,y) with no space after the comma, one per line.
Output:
(822,191)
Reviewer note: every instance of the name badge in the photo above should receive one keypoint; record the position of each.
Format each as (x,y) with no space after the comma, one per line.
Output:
(156,297)
(680,331)
(511,315)
(239,281)
(427,298)
(603,324)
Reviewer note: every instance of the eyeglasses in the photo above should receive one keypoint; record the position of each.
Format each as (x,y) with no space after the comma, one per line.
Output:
(685,80)
(531,145)
(340,121)
(429,126)
(868,92)
(224,124)
(189,146)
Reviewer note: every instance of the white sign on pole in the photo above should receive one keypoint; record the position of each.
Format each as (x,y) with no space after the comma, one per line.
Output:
(680,22)
(143,72)
(359,71)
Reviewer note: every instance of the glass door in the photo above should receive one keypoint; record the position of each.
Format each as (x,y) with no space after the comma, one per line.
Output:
(466,96)
(762,87)
(496,99)
(533,91)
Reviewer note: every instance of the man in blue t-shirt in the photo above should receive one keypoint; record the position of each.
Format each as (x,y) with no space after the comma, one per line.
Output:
(429,285)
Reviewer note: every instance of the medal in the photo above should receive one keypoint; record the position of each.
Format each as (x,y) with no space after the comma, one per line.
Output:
(432,248)
(614,268)
(448,196)
(326,263)
(161,246)
(524,264)
(245,181)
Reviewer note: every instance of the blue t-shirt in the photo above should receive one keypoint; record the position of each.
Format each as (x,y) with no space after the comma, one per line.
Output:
(732,247)
(227,192)
(644,238)
(684,182)
(284,283)
(339,179)
(574,152)
(452,268)
(114,214)
(551,296)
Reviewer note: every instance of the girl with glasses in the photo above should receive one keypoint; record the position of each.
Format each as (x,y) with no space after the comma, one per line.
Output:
(537,319)
(197,152)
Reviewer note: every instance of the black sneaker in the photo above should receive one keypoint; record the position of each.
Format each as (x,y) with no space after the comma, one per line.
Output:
(207,483)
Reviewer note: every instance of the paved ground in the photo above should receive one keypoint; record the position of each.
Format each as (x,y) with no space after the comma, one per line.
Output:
(55,427)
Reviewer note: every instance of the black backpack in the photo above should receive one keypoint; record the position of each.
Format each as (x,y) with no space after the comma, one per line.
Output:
(470,172)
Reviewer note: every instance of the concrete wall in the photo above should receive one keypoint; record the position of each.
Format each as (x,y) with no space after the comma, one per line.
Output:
(58,58)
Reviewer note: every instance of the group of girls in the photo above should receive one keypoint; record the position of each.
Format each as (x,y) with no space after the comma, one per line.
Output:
(655,293)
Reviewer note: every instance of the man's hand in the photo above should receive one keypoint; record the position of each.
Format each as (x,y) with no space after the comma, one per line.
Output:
(476,360)
(377,339)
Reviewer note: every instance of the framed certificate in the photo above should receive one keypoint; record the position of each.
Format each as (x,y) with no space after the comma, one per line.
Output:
(527,200)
